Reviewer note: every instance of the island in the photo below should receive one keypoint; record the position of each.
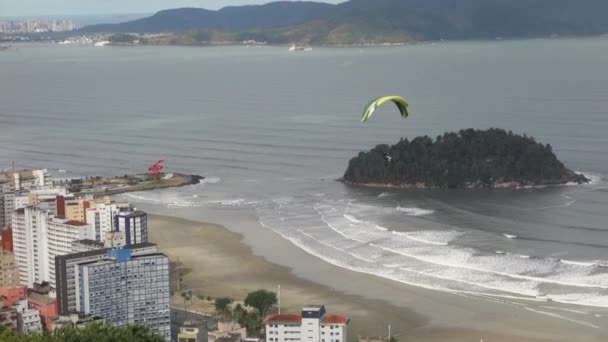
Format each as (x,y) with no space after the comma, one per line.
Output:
(468,159)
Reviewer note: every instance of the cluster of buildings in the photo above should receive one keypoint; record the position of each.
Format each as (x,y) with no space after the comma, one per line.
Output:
(69,260)
(36,26)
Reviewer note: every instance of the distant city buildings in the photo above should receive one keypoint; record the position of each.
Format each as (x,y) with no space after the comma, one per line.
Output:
(36,26)
(9,272)
(71,259)
(313,325)
(28,319)
(9,318)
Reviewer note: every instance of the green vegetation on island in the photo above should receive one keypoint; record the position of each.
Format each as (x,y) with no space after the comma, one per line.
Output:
(470,158)
(98,332)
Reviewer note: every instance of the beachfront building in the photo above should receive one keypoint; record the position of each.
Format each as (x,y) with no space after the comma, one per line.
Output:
(134,224)
(9,272)
(101,216)
(313,325)
(73,320)
(28,319)
(9,318)
(6,239)
(76,208)
(85,245)
(126,289)
(65,269)
(38,238)
(46,305)
(10,296)
(192,331)
(2,212)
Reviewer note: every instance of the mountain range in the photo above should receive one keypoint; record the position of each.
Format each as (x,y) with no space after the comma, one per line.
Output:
(377,21)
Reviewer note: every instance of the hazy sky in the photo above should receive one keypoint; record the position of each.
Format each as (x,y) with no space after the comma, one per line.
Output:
(74,7)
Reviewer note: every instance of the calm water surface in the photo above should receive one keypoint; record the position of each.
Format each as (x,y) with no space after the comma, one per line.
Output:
(272,129)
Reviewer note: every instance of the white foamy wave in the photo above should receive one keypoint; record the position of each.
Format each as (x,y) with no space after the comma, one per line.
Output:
(210,180)
(594,178)
(351,218)
(438,238)
(510,236)
(415,211)
(384,194)
(428,258)
(579,263)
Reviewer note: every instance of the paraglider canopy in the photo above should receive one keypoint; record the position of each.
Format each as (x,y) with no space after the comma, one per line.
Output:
(399,101)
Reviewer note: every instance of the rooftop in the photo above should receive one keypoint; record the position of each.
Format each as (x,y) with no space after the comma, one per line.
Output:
(89,242)
(38,298)
(335,319)
(75,223)
(135,213)
(313,308)
(283,318)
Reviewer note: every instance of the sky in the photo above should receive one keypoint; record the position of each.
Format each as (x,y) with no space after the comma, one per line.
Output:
(24,8)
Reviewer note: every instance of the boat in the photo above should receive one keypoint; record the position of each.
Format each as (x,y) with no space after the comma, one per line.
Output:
(295,47)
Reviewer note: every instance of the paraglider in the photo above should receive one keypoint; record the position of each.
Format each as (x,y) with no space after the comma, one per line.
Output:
(399,101)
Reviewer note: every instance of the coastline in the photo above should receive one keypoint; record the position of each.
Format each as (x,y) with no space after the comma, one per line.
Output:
(217,262)
(476,186)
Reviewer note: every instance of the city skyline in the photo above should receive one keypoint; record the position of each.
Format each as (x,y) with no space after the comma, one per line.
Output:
(66,8)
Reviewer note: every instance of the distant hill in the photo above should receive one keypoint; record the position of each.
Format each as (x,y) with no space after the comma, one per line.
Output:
(378,21)
(275,14)
(469,158)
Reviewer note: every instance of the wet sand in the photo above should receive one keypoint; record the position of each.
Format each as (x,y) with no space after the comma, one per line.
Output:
(215,262)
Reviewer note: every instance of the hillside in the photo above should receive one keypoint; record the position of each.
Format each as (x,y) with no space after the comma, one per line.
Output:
(377,21)
(470,158)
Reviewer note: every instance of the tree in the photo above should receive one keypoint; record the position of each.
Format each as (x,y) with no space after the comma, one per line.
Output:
(261,300)
(222,305)
(98,332)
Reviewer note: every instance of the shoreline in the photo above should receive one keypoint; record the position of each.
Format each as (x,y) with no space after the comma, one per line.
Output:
(220,262)
(496,186)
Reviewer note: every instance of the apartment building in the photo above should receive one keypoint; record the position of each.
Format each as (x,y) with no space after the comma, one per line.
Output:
(313,325)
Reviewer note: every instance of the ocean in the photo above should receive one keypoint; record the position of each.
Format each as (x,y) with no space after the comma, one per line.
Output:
(272,130)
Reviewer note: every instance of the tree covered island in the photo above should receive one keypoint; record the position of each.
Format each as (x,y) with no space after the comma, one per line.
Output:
(492,158)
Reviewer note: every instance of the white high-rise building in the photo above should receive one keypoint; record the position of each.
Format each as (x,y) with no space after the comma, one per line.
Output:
(38,238)
(102,217)
(313,325)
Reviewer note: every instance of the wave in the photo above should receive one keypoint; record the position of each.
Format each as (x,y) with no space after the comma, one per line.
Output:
(594,178)
(210,180)
(510,236)
(428,258)
(352,218)
(415,211)
(437,238)
(383,195)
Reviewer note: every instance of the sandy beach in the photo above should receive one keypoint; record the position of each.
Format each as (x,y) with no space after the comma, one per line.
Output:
(215,262)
